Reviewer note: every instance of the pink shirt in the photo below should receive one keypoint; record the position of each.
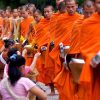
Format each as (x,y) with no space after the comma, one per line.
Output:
(21,88)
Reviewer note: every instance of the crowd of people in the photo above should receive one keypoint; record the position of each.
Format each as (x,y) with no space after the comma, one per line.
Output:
(59,49)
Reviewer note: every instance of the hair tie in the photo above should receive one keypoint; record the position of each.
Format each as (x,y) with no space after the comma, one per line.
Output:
(13,57)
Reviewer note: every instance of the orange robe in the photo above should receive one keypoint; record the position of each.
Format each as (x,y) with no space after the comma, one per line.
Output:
(32,34)
(8,27)
(43,38)
(90,45)
(75,37)
(49,63)
(28,60)
(63,80)
(83,92)
(42,32)
(24,28)
(53,25)
(63,34)
(25,25)
(41,69)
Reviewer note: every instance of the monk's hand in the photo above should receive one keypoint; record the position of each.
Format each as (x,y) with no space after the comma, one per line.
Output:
(61,50)
(37,55)
(95,60)
(25,42)
(61,47)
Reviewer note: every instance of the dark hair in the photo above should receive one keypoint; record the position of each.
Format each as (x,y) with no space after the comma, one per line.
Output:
(8,43)
(11,52)
(15,62)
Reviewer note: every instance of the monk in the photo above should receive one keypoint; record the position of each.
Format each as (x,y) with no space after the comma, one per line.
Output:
(16,24)
(37,16)
(67,18)
(88,10)
(90,46)
(63,33)
(24,26)
(49,63)
(24,29)
(31,33)
(61,21)
(31,9)
(74,52)
(42,28)
(42,39)
(8,24)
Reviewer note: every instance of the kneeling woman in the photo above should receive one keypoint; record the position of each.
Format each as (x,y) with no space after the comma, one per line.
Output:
(17,87)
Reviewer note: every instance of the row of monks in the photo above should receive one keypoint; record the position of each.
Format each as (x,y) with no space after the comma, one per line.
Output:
(68,43)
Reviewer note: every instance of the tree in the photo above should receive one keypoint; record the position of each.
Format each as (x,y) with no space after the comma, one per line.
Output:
(39,3)
(80,2)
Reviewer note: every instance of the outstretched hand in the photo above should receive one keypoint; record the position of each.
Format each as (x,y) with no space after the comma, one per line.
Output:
(37,54)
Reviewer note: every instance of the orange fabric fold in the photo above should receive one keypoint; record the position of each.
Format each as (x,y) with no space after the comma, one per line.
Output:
(75,36)
(42,32)
(90,45)
(63,33)
(25,25)
(40,67)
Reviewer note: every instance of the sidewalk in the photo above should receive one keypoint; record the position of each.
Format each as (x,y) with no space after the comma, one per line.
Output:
(47,89)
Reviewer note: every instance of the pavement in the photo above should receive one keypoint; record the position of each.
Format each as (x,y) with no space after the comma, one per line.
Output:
(47,90)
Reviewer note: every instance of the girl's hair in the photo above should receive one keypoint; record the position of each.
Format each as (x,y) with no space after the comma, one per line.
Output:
(8,43)
(11,52)
(15,62)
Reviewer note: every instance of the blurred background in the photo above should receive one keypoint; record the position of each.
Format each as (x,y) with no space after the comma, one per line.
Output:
(39,3)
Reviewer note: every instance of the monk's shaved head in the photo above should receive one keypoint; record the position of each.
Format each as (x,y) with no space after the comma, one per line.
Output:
(88,3)
(24,12)
(15,13)
(88,8)
(48,11)
(37,15)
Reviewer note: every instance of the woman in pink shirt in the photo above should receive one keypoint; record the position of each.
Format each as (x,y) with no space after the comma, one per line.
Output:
(17,87)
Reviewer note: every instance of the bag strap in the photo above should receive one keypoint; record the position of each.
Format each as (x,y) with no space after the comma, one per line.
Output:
(2,59)
(8,87)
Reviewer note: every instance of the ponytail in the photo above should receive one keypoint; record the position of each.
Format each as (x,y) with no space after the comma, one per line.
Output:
(15,62)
